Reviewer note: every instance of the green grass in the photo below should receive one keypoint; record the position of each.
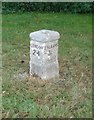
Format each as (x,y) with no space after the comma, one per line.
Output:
(68,97)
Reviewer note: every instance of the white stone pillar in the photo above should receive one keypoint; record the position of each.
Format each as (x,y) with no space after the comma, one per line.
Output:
(44,54)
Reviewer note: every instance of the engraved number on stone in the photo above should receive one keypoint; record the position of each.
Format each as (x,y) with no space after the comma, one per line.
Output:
(49,52)
(36,52)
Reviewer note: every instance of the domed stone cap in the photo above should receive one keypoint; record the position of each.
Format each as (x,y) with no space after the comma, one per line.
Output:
(44,35)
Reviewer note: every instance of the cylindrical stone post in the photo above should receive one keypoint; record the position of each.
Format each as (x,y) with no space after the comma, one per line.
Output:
(44,54)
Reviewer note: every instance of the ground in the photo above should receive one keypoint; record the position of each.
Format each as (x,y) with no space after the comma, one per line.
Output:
(70,96)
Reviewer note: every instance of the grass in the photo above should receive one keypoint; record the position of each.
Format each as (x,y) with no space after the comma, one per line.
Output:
(30,97)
